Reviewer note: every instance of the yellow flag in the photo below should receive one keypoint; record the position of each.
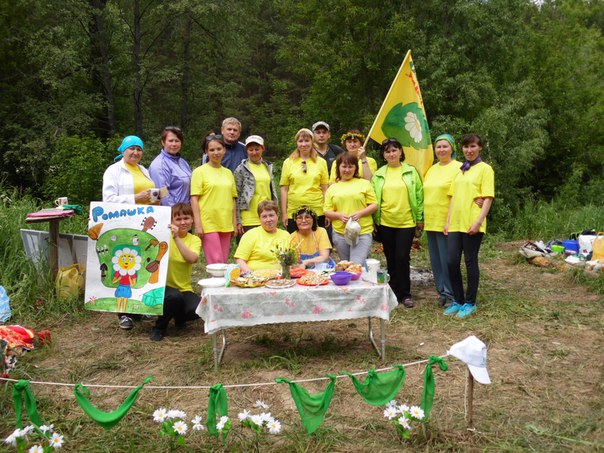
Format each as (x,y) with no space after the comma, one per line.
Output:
(402,116)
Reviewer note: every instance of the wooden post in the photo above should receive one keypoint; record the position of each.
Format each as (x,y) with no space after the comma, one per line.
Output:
(53,247)
(470,400)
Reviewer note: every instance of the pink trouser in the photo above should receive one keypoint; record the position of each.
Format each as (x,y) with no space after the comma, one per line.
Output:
(216,247)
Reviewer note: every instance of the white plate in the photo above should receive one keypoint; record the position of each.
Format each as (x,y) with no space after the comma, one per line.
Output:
(212,282)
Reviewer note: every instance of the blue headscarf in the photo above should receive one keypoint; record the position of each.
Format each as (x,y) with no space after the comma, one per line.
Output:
(451,140)
(127,142)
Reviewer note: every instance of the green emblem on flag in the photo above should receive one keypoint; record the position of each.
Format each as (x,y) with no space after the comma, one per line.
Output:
(408,125)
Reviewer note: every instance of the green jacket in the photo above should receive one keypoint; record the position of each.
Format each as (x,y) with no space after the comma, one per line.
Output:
(415,189)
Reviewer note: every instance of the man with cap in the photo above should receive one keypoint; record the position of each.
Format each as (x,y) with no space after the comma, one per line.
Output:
(325,149)
(235,150)
(255,183)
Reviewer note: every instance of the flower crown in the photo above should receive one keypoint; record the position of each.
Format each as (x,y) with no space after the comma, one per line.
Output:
(352,135)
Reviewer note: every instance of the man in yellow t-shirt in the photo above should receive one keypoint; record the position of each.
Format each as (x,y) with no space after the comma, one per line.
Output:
(180,302)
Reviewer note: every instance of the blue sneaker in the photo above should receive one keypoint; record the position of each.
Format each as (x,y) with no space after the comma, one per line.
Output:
(453,308)
(466,310)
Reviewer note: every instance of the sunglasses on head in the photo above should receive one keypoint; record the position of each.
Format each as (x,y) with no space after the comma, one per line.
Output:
(172,129)
(391,141)
(209,138)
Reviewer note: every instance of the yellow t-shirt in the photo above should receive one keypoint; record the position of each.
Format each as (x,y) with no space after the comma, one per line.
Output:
(396,210)
(349,197)
(304,188)
(262,192)
(216,190)
(312,244)
(179,271)
(370,161)
(437,182)
(257,248)
(478,181)
(141,182)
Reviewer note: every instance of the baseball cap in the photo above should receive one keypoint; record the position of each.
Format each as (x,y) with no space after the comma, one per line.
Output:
(320,124)
(254,139)
(473,353)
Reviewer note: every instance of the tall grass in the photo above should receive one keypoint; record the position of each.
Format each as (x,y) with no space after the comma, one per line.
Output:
(29,286)
(550,220)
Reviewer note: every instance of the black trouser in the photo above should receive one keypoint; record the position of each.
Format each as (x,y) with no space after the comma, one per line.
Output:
(397,249)
(291,224)
(469,244)
(178,305)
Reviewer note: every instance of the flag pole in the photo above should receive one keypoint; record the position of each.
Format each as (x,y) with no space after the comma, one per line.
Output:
(387,96)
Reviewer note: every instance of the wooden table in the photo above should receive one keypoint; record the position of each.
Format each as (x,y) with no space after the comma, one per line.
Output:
(53,217)
(223,308)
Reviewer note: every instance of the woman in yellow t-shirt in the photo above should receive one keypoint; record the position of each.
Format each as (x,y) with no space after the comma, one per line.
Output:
(304,180)
(437,182)
(257,246)
(466,223)
(351,197)
(311,240)
(213,195)
(352,141)
(180,302)
(398,189)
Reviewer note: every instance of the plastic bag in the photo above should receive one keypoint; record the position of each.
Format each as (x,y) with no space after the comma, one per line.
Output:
(586,242)
(70,281)
(4,305)
(352,232)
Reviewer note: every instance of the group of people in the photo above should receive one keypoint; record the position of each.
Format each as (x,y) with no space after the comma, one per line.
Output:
(324,191)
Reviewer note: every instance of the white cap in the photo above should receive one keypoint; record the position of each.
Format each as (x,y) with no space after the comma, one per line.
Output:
(254,139)
(320,124)
(473,353)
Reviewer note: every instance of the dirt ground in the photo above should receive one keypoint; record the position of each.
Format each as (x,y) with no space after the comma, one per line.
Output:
(544,334)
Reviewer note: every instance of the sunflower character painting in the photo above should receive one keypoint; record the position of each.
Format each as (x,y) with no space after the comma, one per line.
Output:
(127,260)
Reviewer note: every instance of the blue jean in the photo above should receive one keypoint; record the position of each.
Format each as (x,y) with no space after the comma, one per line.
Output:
(437,246)
(356,254)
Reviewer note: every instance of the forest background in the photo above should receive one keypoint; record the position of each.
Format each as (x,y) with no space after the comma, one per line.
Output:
(76,76)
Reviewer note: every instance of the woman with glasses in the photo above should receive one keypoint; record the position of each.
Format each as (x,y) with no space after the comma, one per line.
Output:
(400,199)
(255,183)
(351,197)
(213,195)
(311,240)
(170,170)
(353,143)
(437,183)
(304,180)
(467,222)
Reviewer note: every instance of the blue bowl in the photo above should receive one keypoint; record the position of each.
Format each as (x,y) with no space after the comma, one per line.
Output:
(341,278)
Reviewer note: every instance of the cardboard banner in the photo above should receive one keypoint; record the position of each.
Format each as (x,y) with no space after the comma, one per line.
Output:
(127,264)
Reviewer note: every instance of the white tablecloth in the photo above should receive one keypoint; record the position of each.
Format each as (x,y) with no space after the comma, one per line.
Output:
(236,307)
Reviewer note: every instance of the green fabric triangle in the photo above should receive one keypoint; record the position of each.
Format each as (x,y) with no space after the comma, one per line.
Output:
(106,419)
(378,389)
(312,408)
(428,393)
(218,404)
(20,389)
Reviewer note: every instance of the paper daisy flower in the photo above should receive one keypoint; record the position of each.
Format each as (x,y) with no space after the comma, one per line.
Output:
(243,415)
(27,430)
(274,427)
(197,420)
(173,413)
(256,419)
(404,422)
(36,449)
(403,408)
(416,412)
(160,415)
(390,412)
(56,440)
(12,439)
(220,425)
(261,404)
(391,403)
(180,427)
(198,427)
(266,417)
(45,428)
(414,126)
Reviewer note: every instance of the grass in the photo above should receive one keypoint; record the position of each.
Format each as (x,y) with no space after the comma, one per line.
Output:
(543,328)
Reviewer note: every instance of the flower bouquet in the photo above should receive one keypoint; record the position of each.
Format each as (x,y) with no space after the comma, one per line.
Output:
(287,256)
(402,416)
